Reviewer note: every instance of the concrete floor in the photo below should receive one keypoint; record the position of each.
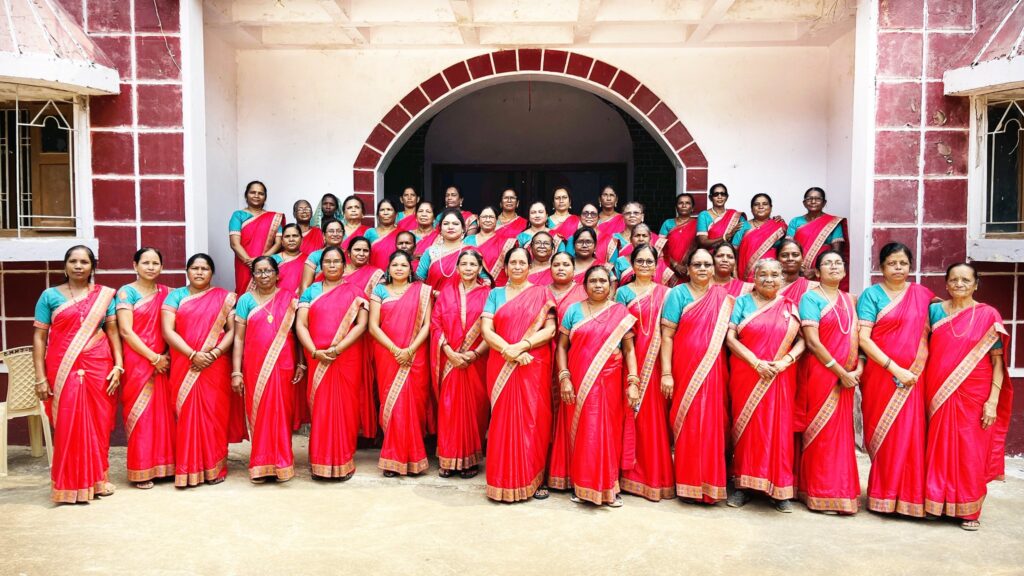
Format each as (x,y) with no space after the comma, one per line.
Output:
(430,525)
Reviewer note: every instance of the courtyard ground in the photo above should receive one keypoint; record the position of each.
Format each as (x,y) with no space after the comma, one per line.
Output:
(429,525)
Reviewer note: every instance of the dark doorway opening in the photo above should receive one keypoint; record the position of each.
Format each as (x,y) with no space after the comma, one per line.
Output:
(531,182)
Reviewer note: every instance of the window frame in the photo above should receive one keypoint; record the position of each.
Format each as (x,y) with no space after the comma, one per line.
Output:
(979,246)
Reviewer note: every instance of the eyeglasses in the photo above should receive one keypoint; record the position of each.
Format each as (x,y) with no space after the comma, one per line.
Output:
(263,273)
(814,199)
(702,265)
(719,193)
(582,242)
(588,213)
(643,262)
(541,244)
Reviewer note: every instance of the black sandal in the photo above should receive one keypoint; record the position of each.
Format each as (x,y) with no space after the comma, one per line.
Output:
(390,473)
(444,473)
(470,472)
(541,493)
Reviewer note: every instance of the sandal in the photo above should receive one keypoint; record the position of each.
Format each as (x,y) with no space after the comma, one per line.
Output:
(257,480)
(470,472)
(575,499)
(444,472)
(541,493)
(784,506)
(737,499)
(108,489)
(390,473)
(617,503)
(215,481)
(347,476)
(971,525)
(144,485)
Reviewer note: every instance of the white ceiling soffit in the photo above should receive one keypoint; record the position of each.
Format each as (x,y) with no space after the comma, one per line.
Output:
(345,24)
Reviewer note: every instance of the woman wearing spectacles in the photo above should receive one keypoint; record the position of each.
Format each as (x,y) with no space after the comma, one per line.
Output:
(816,231)
(542,246)
(624,269)
(717,223)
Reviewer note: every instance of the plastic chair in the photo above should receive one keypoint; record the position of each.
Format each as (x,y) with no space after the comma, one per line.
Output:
(22,401)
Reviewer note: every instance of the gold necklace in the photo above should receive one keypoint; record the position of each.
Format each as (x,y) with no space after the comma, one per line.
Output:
(974,308)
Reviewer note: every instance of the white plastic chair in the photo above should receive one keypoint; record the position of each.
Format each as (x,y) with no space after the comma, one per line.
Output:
(22,401)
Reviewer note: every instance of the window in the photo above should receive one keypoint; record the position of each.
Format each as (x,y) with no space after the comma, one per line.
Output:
(37,168)
(1004,181)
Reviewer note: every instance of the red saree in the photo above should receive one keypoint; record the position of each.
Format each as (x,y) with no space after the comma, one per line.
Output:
(520,397)
(762,411)
(758,243)
(360,231)
(78,359)
(148,411)
(894,421)
(812,237)
(422,244)
(595,433)
(403,389)
(203,399)
(679,241)
(723,227)
(663,275)
(335,387)
(364,279)
(312,241)
(540,276)
(561,455)
(462,406)
(443,268)
(408,223)
(961,457)
(796,289)
(698,413)
(382,248)
(257,236)
(737,287)
(563,232)
(606,246)
(289,276)
(493,250)
(828,479)
(611,226)
(512,228)
(651,475)
(268,365)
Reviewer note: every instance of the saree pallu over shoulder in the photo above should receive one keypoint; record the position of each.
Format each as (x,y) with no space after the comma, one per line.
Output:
(679,240)
(78,359)
(257,236)
(813,235)
(962,457)
(493,251)
(698,412)
(758,243)
(364,280)
(520,397)
(725,225)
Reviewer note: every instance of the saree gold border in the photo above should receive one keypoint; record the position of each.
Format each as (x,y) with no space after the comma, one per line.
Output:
(702,491)
(194,478)
(897,400)
(211,338)
(85,335)
(281,473)
(332,471)
(768,306)
(79,495)
(270,360)
(403,468)
(654,350)
(272,232)
(161,471)
(761,388)
(956,509)
(819,241)
(468,342)
(586,321)
(964,369)
(841,505)
(463,463)
(760,251)
(339,335)
(403,373)
(701,373)
(372,281)
(506,370)
(516,494)
(598,497)
(888,506)
(499,264)
(596,365)
(560,482)
(822,417)
(732,227)
(649,492)
(764,485)
(138,407)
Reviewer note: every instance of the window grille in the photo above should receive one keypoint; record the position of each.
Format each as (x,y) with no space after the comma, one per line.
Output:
(1004,180)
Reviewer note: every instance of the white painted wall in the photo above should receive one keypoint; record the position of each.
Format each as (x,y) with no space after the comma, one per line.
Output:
(840,122)
(224,193)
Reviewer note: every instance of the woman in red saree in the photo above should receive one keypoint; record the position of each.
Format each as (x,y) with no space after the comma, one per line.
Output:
(764,339)
(595,342)
(364,277)
(437,265)
(405,220)
(458,369)
(566,292)
(679,234)
(195,321)
(584,242)
(641,236)
(969,400)
(816,231)
(537,222)
(517,323)
(509,224)
(399,324)
(329,323)
(894,335)
(265,372)
(694,373)
(725,256)
(253,232)
(352,210)
(333,236)
(562,224)
(717,223)
(148,411)
(291,261)
(826,380)
(648,472)
(76,351)
(758,238)
(491,245)
(312,236)
(609,221)
(453,199)
(426,234)
(794,283)
(541,246)
(383,237)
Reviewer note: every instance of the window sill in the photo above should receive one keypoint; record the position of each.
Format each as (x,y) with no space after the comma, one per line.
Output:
(40,249)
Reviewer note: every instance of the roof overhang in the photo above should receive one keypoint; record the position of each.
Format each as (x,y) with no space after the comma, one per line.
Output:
(77,76)
(984,77)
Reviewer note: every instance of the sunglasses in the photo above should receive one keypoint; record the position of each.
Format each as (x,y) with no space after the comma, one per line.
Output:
(713,194)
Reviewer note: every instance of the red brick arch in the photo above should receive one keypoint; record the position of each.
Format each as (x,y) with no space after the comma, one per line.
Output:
(480,71)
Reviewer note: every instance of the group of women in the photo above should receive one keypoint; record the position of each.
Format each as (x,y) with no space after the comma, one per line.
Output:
(580,353)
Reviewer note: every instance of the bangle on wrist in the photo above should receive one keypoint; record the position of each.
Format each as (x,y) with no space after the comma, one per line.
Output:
(831,363)
(42,381)
(888,361)
(239,374)
(192,355)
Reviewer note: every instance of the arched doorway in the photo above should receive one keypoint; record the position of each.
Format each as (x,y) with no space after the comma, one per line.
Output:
(458,80)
